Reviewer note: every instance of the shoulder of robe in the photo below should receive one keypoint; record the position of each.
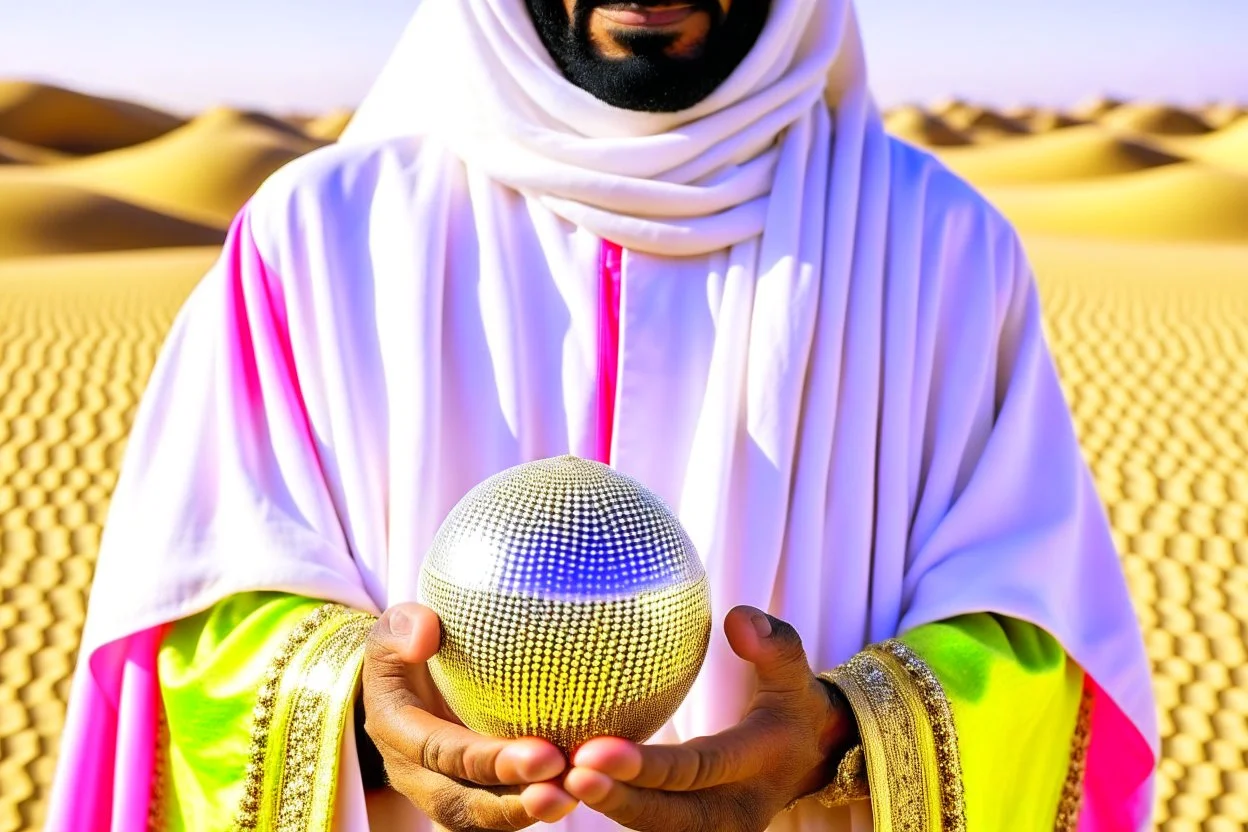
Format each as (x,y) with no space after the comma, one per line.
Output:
(327,196)
(978,246)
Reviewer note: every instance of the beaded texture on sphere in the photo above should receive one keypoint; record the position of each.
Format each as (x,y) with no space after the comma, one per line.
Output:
(573,605)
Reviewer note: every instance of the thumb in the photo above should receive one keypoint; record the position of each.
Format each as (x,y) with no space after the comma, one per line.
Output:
(772,646)
(405,634)
(402,640)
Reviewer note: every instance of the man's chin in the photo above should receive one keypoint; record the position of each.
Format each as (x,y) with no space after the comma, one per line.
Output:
(643,84)
(648,68)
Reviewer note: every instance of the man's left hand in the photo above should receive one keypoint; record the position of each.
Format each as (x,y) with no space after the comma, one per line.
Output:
(737,780)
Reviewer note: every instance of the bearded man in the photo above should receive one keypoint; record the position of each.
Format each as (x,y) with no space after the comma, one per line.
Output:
(671,236)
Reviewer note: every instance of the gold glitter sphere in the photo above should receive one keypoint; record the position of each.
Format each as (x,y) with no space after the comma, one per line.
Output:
(573,605)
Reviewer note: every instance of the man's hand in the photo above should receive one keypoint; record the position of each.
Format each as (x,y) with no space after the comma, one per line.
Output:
(740,779)
(460,779)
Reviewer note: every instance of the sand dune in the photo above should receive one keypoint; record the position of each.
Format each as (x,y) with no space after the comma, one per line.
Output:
(183,266)
(1188,201)
(983,123)
(914,125)
(1034,119)
(947,107)
(60,119)
(1019,112)
(13,152)
(1156,119)
(204,170)
(329,126)
(40,217)
(1046,119)
(1227,148)
(1074,153)
(1093,108)
(1222,114)
(1135,218)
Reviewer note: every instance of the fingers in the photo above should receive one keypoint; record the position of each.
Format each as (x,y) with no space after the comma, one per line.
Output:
(461,779)
(547,802)
(731,756)
(454,806)
(410,633)
(457,806)
(772,646)
(402,640)
(404,726)
(762,740)
(650,810)
(626,805)
(460,753)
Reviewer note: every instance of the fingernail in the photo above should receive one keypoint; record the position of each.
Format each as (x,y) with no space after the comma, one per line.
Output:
(762,624)
(400,624)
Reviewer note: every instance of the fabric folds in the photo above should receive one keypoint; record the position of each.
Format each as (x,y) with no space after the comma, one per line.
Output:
(676,184)
(258,692)
(212,666)
(977,722)
(909,740)
(831,365)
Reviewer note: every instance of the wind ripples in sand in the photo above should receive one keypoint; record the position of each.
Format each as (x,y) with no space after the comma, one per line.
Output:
(1136,219)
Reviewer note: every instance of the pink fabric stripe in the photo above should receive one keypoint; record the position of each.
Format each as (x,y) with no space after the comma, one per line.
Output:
(137,717)
(610,269)
(1117,793)
(104,777)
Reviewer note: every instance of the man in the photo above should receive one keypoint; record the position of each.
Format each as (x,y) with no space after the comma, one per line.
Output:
(670,236)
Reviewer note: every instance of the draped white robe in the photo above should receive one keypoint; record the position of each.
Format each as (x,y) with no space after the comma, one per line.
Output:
(831,364)
(859,457)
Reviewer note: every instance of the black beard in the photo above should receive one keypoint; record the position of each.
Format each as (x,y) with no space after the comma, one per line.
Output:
(648,80)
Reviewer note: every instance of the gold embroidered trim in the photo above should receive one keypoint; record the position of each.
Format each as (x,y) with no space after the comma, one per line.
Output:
(301,711)
(849,782)
(317,718)
(156,806)
(1072,792)
(253,782)
(909,740)
(944,732)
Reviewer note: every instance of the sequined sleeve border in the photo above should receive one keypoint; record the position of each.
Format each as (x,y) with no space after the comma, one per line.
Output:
(301,711)
(1072,791)
(909,741)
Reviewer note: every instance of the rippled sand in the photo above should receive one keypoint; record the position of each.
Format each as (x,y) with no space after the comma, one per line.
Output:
(1134,216)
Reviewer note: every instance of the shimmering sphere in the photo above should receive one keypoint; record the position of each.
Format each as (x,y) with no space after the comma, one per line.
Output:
(573,605)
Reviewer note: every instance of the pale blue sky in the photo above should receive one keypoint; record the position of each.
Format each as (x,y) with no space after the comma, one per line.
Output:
(313,54)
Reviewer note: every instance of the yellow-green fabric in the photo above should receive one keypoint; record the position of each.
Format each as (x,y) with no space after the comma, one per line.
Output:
(1015,698)
(1014,694)
(211,666)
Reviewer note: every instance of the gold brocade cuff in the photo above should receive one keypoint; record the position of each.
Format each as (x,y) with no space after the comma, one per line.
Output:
(907,762)
(1072,791)
(849,781)
(301,711)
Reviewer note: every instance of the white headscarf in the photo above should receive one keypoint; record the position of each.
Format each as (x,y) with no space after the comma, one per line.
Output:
(475,74)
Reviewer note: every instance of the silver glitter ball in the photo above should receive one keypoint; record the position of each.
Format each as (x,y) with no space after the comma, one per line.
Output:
(573,605)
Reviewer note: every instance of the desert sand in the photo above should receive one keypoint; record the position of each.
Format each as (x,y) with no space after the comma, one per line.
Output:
(1135,216)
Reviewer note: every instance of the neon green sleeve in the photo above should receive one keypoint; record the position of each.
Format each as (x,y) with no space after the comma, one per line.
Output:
(1015,697)
(973,723)
(234,684)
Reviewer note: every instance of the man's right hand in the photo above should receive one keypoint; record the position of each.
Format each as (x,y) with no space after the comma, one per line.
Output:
(462,780)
